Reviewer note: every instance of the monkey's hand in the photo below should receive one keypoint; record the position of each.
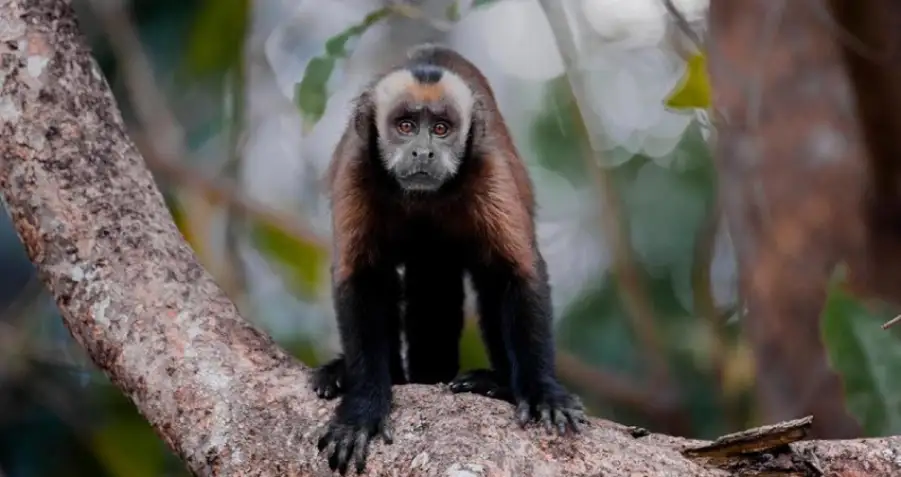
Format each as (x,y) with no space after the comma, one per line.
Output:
(328,379)
(551,405)
(357,421)
(484,382)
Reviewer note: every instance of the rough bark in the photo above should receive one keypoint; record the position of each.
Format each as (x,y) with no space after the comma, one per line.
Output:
(220,393)
(808,163)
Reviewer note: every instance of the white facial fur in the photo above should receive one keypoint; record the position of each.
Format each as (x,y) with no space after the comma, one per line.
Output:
(400,82)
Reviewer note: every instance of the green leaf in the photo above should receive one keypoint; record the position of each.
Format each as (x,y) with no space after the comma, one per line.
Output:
(302,262)
(867,358)
(482,3)
(693,90)
(555,137)
(216,39)
(311,95)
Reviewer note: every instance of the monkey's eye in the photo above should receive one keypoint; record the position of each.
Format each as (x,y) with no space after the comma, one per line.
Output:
(405,126)
(441,129)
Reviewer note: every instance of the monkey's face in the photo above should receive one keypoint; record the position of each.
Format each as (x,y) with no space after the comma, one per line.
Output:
(422,144)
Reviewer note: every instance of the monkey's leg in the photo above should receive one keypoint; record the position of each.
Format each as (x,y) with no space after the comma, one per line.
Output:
(328,378)
(494,382)
(365,302)
(433,320)
(525,322)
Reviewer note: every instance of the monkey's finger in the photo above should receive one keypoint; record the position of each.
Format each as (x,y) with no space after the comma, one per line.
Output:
(523,412)
(324,392)
(544,413)
(347,447)
(462,386)
(333,457)
(361,451)
(324,440)
(386,431)
(575,421)
(560,419)
(579,415)
(343,458)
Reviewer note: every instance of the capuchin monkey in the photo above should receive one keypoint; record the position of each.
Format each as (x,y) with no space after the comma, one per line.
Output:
(426,177)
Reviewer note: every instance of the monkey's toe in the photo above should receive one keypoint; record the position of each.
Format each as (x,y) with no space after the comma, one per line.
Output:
(553,408)
(483,382)
(347,440)
(327,380)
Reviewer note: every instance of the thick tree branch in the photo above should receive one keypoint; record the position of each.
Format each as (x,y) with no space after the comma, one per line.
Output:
(216,389)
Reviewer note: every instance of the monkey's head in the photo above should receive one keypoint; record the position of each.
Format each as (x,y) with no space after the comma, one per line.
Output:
(423,113)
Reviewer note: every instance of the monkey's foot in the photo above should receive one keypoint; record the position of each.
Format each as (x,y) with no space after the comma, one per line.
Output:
(552,406)
(351,431)
(484,382)
(328,379)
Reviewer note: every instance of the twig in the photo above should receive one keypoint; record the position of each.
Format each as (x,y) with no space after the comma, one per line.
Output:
(415,13)
(613,387)
(705,306)
(894,321)
(683,24)
(223,192)
(633,294)
(236,275)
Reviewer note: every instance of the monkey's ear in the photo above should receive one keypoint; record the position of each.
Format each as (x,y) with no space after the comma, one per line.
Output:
(363,116)
(478,127)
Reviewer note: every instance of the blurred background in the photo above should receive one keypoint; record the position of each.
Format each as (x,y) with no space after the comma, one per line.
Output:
(236,107)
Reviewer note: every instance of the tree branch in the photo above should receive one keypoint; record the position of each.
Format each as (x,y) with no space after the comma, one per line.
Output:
(220,393)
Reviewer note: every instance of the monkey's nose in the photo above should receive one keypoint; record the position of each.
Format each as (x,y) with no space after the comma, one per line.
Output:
(423,153)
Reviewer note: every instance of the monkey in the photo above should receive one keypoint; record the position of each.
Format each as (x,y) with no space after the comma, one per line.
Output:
(426,176)
(327,379)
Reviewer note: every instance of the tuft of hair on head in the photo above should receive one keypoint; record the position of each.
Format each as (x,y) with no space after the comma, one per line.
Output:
(424,81)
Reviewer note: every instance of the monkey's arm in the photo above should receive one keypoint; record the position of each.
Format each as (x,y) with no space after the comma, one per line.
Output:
(365,301)
(527,322)
(366,292)
(511,279)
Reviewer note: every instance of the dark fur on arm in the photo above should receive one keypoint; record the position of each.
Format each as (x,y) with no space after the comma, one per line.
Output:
(366,292)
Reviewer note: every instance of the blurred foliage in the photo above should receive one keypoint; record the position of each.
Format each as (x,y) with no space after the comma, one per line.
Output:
(866,357)
(304,263)
(216,37)
(554,138)
(311,95)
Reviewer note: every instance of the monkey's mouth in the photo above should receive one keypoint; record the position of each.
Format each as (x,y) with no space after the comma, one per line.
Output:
(420,181)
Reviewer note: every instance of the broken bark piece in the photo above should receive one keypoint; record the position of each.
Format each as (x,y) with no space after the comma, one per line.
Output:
(756,440)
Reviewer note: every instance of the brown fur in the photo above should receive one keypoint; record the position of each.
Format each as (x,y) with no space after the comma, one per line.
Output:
(427,93)
(497,206)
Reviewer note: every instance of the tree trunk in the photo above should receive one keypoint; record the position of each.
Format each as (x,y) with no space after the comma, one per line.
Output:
(809,114)
(220,393)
